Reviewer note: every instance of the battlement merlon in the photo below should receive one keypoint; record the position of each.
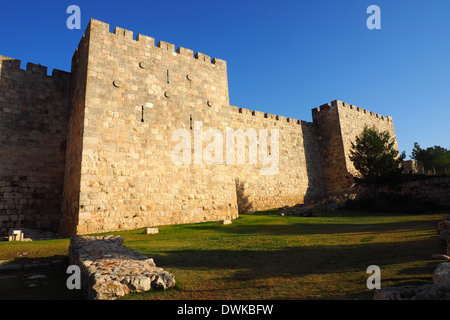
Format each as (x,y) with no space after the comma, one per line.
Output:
(269,116)
(336,104)
(96,26)
(34,69)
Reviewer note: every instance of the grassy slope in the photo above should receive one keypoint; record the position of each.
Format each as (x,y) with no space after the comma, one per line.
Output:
(266,256)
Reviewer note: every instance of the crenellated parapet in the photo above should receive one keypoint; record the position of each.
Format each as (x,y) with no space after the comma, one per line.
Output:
(339,104)
(33,69)
(338,124)
(269,116)
(150,44)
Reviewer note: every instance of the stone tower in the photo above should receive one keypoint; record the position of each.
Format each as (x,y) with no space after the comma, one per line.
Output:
(338,124)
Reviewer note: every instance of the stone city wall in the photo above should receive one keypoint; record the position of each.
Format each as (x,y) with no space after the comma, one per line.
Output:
(33,127)
(151,139)
(431,189)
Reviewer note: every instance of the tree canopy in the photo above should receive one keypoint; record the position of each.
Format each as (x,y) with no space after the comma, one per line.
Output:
(433,159)
(375,155)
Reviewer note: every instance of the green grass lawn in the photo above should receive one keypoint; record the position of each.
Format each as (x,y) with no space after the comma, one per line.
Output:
(259,256)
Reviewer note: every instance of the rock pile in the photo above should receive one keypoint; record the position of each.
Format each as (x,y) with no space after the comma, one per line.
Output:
(439,290)
(302,210)
(330,203)
(110,270)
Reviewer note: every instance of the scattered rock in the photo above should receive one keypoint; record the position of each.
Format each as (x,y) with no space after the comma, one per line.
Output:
(111,270)
(441,276)
(410,292)
(303,210)
(163,280)
(439,290)
(440,257)
(330,203)
(109,290)
(140,283)
(151,231)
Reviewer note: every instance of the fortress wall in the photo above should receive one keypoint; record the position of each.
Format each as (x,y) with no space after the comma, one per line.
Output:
(33,129)
(137,96)
(70,205)
(338,125)
(292,177)
(138,136)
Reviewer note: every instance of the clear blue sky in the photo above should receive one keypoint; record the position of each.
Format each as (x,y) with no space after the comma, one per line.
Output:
(284,57)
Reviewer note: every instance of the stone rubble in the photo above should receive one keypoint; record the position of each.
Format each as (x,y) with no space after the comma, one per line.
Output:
(439,290)
(110,270)
(330,203)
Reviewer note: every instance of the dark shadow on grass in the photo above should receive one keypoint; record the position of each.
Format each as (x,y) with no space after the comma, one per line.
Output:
(427,269)
(308,228)
(16,284)
(297,261)
(345,213)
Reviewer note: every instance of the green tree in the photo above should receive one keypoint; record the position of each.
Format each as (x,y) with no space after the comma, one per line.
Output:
(375,156)
(433,159)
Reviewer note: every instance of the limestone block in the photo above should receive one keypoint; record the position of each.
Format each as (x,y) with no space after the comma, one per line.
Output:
(151,231)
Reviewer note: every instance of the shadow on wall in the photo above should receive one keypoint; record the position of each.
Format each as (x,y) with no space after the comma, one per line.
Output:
(315,189)
(33,120)
(307,177)
(244,205)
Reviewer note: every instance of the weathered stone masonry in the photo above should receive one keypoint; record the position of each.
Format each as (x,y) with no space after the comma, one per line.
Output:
(90,150)
(33,132)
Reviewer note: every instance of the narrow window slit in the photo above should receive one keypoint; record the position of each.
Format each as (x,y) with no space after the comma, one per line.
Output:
(167,76)
(142,114)
(190,121)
